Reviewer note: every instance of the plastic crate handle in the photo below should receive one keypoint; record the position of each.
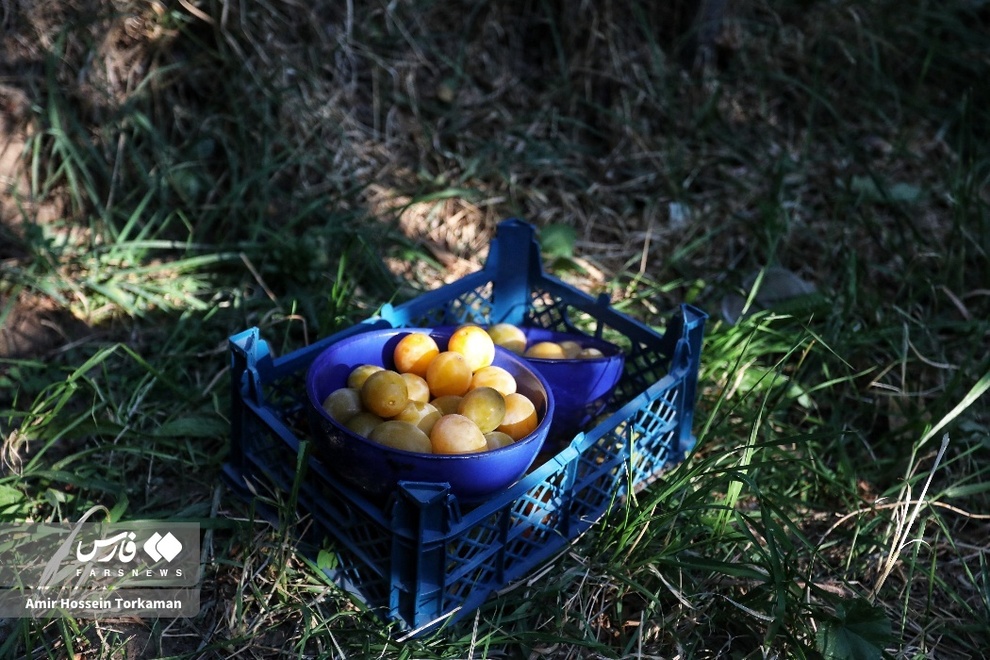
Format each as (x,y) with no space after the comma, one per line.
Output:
(514,263)
(250,365)
(686,362)
(421,514)
(250,362)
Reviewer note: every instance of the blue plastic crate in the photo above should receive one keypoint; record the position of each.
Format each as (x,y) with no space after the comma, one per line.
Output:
(422,558)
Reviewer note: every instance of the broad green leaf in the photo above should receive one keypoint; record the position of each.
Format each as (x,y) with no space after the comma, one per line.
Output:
(10,499)
(858,632)
(193,426)
(326,560)
(558,240)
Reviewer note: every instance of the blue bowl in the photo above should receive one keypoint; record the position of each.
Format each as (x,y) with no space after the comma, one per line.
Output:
(581,387)
(376,469)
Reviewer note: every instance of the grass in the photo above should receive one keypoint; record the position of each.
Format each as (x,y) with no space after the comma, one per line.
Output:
(194,169)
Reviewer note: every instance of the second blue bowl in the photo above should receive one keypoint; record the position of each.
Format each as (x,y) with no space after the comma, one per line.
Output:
(582,387)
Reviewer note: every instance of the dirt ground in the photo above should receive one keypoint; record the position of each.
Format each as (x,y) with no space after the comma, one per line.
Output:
(31,325)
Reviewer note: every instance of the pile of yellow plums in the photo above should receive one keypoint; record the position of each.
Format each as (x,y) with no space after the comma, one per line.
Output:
(441,402)
(513,338)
